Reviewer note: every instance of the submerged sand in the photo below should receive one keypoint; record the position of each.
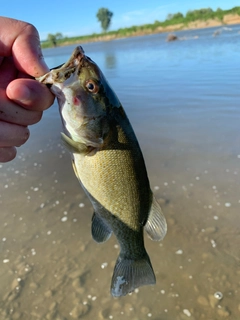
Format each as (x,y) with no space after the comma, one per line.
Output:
(50,268)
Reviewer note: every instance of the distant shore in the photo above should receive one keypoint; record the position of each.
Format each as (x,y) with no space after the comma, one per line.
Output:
(229,19)
(198,24)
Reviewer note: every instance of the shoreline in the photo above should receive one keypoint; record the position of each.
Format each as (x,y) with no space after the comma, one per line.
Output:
(229,19)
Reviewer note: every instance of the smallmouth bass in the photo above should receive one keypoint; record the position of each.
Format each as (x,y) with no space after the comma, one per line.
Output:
(109,165)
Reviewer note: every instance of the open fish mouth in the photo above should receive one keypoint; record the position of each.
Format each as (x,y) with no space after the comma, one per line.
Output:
(62,72)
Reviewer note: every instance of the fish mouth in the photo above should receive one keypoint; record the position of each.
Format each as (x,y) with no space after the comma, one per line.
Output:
(75,60)
(60,66)
(63,72)
(49,85)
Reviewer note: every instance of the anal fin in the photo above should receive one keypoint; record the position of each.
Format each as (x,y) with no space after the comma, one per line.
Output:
(156,225)
(100,231)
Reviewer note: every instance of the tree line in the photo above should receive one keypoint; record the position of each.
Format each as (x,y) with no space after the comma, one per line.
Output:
(104,16)
(199,14)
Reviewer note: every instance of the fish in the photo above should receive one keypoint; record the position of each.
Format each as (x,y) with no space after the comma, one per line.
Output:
(109,164)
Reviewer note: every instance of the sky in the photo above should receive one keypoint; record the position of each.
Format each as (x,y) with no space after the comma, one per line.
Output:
(75,18)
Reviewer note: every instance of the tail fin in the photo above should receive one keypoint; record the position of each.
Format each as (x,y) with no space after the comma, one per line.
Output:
(131,274)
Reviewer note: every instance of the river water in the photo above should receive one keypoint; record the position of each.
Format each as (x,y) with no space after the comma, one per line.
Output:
(183,99)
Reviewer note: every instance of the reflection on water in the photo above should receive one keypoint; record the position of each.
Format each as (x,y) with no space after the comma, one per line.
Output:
(110,62)
(183,101)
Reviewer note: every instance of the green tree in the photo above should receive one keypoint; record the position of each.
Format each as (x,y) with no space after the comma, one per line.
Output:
(53,38)
(178,15)
(205,13)
(59,35)
(104,16)
(175,16)
(169,16)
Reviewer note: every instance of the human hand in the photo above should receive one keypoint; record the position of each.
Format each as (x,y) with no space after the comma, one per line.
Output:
(22,99)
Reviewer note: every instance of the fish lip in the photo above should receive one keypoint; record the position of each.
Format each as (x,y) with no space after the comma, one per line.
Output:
(72,65)
(60,66)
(74,61)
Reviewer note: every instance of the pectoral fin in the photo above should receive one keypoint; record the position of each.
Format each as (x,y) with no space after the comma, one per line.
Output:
(100,231)
(74,146)
(156,226)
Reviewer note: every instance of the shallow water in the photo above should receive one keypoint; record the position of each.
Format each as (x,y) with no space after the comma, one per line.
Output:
(183,101)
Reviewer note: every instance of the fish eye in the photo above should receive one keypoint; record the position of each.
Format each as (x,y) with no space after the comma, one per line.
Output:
(92,86)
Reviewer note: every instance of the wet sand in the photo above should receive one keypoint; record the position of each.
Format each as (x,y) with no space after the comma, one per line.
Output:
(50,268)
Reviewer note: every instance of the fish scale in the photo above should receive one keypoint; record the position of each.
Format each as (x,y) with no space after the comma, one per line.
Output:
(116,189)
(109,165)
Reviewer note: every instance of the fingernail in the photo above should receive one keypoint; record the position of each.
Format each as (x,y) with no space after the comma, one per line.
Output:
(42,61)
(24,94)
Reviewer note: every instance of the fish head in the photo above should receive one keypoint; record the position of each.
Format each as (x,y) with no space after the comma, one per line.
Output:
(82,91)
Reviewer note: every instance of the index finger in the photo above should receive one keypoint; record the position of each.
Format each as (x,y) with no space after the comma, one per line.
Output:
(21,40)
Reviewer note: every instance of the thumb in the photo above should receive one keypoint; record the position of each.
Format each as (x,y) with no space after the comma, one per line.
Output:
(23,43)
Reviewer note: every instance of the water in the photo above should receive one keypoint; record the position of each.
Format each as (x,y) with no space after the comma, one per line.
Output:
(183,100)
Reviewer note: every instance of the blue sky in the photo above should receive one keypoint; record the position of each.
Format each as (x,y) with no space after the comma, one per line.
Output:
(73,18)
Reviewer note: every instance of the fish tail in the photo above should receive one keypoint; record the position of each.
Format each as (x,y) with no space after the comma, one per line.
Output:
(130,274)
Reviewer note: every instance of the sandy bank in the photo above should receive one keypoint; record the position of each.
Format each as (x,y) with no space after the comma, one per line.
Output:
(198,24)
